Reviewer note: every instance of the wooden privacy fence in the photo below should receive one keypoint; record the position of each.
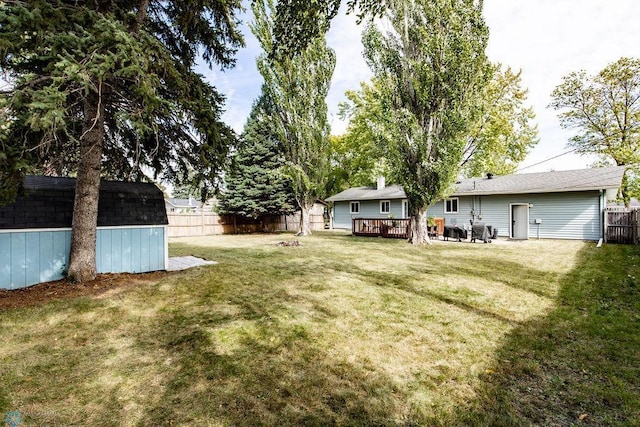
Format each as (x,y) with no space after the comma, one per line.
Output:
(210,223)
(622,226)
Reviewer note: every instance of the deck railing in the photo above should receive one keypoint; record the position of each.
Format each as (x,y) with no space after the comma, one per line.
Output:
(383,227)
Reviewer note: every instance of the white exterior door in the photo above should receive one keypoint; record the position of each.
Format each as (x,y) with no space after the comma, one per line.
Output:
(520,221)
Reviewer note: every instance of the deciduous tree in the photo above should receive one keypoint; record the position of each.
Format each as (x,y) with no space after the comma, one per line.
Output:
(108,88)
(432,70)
(504,132)
(359,157)
(298,88)
(497,142)
(604,109)
(297,22)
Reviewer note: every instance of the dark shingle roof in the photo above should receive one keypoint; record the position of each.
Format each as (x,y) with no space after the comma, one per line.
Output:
(369,193)
(48,203)
(543,182)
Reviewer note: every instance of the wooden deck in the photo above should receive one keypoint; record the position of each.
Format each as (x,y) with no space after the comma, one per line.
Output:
(381,227)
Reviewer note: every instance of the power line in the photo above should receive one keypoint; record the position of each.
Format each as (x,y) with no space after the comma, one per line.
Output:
(546,160)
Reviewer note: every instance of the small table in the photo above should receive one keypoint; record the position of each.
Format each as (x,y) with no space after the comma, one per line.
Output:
(455,232)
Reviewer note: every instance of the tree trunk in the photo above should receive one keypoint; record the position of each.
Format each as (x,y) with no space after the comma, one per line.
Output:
(305,219)
(82,258)
(624,190)
(419,230)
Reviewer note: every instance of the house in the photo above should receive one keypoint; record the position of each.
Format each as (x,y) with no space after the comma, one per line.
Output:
(190,205)
(35,230)
(368,202)
(558,205)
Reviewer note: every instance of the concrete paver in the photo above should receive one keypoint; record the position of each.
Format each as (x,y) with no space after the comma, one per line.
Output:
(184,262)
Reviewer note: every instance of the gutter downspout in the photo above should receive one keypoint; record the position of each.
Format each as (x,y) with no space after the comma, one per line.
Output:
(603,215)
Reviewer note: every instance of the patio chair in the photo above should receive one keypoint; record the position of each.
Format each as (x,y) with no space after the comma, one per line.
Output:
(479,231)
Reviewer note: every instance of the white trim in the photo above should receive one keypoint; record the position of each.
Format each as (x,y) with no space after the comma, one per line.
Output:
(405,208)
(130,226)
(457,199)
(603,215)
(511,205)
(351,204)
(166,247)
(381,203)
(111,227)
(531,191)
(33,230)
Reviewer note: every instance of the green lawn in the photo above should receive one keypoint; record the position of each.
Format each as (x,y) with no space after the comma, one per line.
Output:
(341,331)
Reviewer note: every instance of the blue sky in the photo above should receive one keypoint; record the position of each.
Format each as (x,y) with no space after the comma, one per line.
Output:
(545,38)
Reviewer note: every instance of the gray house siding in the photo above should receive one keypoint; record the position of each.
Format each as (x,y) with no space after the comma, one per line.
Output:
(368,209)
(465,204)
(570,215)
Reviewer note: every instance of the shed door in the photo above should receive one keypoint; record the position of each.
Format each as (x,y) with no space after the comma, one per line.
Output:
(520,221)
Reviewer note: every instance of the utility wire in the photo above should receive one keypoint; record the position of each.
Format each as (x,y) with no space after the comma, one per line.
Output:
(546,160)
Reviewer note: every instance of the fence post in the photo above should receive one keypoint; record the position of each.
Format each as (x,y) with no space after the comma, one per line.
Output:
(606,225)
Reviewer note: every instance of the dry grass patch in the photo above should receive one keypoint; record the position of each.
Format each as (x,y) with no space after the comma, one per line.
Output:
(339,331)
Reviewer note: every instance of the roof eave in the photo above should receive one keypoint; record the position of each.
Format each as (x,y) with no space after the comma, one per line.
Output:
(362,199)
(533,191)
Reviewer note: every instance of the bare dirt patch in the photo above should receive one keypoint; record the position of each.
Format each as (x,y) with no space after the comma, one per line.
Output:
(66,289)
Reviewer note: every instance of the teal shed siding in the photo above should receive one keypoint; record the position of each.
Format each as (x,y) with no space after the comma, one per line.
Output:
(130,250)
(28,257)
(568,215)
(368,209)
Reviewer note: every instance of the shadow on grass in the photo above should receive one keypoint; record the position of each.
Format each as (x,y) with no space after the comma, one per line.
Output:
(259,364)
(408,283)
(580,365)
(273,375)
(278,373)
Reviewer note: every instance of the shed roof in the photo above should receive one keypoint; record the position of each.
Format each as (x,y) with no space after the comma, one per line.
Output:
(48,203)
(543,182)
(369,193)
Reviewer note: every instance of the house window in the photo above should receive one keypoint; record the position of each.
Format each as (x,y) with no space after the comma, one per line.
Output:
(355,207)
(385,206)
(451,206)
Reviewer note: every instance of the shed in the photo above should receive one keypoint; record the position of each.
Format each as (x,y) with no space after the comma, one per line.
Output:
(560,204)
(35,230)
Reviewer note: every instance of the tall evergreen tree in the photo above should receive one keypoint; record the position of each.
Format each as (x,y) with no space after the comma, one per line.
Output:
(108,87)
(256,187)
